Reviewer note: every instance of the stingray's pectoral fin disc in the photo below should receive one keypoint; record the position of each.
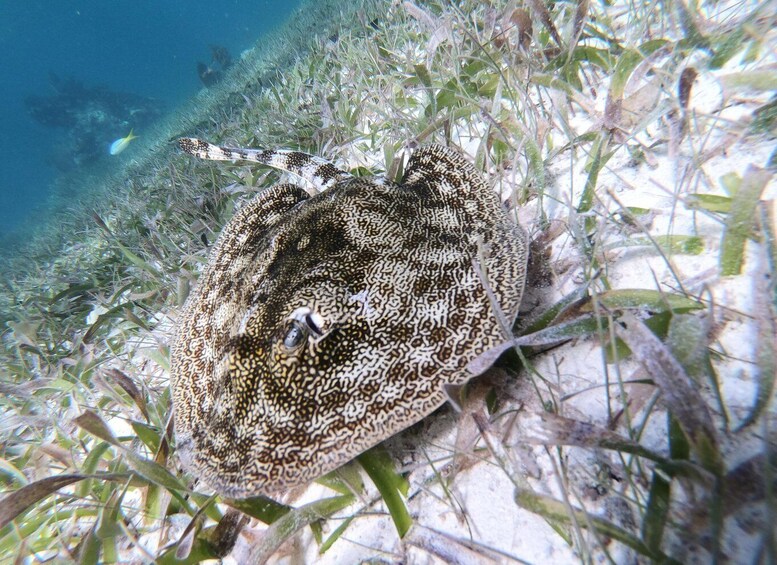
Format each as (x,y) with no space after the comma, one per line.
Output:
(263,212)
(485,360)
(446,172)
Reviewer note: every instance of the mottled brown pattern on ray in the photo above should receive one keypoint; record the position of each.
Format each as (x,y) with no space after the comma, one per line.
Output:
(323,325)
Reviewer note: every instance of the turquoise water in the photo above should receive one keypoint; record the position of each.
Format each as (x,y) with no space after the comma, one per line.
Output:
(79,74)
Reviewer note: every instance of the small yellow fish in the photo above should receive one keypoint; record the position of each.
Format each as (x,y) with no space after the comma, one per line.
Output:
(121,144)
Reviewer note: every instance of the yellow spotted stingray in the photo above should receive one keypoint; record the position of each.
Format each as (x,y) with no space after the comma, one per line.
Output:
(323,325)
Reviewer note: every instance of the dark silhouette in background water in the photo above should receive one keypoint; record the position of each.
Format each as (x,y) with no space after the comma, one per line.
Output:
(124,57)
(88,118)
(221,60)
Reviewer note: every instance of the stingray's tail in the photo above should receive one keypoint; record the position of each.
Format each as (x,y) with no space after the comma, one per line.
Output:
(317,171)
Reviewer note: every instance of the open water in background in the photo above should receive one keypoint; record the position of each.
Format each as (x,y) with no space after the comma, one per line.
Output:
(143,47)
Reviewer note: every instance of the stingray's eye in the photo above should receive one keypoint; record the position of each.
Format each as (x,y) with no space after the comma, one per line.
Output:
(310,322)
(313,323)
(295,335)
